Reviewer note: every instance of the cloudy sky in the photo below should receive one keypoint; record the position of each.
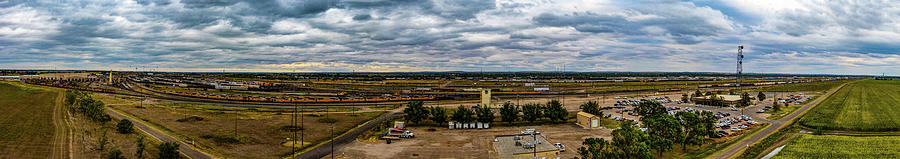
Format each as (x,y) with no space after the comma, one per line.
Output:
(452,35)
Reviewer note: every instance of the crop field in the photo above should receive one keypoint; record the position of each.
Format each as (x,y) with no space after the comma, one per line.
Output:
(802,87)
(869,105)
(832,146)
(233,132)
(26,126)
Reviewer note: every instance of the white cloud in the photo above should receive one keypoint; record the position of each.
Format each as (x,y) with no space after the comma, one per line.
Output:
(21,23)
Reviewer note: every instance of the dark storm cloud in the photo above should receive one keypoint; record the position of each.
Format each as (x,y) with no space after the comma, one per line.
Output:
(686,26)
(462,35)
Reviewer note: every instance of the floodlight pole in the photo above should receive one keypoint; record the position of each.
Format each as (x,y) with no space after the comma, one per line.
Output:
(534,145)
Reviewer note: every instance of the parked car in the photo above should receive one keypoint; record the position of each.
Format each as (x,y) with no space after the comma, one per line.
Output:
(560,146)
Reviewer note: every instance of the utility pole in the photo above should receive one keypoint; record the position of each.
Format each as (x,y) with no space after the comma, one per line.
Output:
(533,145)
(301,126)
(294,126)
(332,133)
(517,99)
(235,124)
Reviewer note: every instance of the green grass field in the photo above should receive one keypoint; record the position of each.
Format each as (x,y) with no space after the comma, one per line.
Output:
(869,105)
(831,146)
(781,113)
(802,87)
(26,126)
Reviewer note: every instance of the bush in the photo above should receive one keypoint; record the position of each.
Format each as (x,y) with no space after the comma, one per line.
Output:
(169,150)
(189,119)
(327,120)
(223,136)
(315,115)
(115,153)
(125,126)
(291,128)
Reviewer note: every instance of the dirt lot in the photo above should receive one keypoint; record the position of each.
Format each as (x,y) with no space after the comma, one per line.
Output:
(471,143)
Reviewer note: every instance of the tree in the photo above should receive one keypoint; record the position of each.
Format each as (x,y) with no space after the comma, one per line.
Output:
(124,126)
(761,96)
(591,107)
(775,106)
(485,115)
(83,103)
(169,150)
(101,143)
(709,93)
(139,153)
(462,114)
(649,109)
(664,131)
(745,99)
(685,98)
(629,142)
(690,125)
(531,112)
(707,124)
(595,148)
(698,93)
(509,112)
(415,112)
(438,115)
(115,153)
(555,111)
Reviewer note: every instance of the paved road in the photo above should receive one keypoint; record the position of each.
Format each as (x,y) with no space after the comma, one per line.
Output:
(185,148)
(735,149)
(326,149)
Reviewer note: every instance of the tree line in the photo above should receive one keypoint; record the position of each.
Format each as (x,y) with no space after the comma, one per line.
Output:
(83,103)
(415,112)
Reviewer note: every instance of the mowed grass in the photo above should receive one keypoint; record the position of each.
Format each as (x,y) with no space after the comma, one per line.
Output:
(832,146)
(26,126)
(802,87)
(870,105)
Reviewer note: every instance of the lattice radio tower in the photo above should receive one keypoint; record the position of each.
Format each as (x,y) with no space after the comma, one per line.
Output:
(740,67)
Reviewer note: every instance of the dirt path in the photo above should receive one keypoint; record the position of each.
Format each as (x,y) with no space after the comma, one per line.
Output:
(738,148)
(184,148)
(61,131)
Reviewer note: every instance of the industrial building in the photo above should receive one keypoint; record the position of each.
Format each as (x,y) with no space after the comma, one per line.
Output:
(587,120)
(526,145)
